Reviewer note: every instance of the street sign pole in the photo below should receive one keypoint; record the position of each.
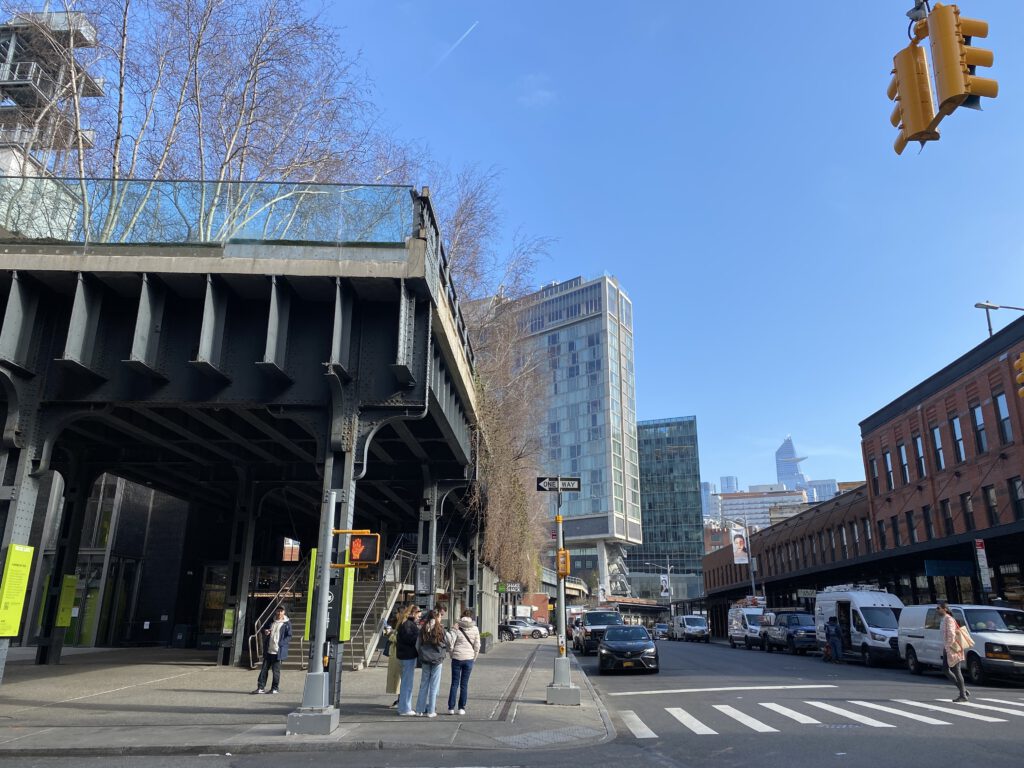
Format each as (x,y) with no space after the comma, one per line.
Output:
(561,690)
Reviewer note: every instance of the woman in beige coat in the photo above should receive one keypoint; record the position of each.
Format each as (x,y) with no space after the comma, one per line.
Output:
(954,651)
(394,667)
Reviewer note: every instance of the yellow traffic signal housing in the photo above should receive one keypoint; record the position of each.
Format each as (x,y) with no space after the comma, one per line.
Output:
(563,559)
(954,59)
(364,549)
(1018,365)
(911,89)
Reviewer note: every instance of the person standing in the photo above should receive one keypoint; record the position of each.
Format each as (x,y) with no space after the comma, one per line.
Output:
(407,636)
(391,651)
(277,633)
(465,649)
(432,646)
(834,638)
(954,651)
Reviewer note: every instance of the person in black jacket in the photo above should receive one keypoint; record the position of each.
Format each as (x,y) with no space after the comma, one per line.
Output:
(405,648)
(277,633)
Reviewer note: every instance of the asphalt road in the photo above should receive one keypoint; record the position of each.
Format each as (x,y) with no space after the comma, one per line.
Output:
(715,706)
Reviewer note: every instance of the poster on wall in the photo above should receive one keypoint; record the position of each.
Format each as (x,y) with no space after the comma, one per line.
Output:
(66,602)
(13,588)
(740,556)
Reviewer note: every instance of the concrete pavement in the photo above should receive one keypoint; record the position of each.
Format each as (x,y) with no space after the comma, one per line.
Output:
(159,701)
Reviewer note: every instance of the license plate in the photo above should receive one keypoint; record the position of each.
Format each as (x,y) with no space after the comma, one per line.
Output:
(627,663)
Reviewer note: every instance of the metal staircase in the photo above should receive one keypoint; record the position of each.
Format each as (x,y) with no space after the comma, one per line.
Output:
(373,602)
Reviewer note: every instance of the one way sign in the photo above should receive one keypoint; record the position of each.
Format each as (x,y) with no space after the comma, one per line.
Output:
(558,484)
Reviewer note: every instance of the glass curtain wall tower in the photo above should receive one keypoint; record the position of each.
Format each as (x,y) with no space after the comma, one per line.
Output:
(583,334)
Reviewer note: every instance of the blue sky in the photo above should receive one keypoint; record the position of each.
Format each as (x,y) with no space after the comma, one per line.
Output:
(732,165)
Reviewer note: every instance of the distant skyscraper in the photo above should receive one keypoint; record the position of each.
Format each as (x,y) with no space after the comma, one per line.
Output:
(710,506)
(823,490)
(730,484)
(787,466)
(583,333)
(671,502)
(754,508)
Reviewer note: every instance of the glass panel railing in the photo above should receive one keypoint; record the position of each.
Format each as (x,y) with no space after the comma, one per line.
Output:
(105,211)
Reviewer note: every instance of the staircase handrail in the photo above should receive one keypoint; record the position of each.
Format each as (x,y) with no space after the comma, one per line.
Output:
(256,648)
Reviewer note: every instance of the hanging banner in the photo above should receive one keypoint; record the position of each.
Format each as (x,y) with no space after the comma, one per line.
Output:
(986,577)
(740,555)
(67,600)
(13,588)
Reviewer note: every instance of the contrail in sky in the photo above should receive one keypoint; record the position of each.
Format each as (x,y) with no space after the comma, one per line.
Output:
(456,45)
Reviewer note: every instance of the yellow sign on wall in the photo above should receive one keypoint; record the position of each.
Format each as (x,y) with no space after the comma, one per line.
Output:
(13,588)
(67,600)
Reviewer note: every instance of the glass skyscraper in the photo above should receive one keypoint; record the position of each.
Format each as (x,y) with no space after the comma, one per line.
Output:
(582,332)
(671,497)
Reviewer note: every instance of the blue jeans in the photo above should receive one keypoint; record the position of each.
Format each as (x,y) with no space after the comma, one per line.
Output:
(430,683)
(461,669)
(406,686)
(837,648)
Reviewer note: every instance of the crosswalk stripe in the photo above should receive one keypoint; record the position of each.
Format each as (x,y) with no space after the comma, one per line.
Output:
(636,725)
(792,714)
(747,720)
(855,716)
(900,712)
(1014,712)
(690,721)
(948,711)
(1005,701)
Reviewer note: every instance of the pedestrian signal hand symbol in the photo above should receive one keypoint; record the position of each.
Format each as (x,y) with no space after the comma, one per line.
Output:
(364,549)
(357,548)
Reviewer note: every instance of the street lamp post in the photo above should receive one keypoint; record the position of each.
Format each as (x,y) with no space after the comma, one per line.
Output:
(750,550)
(988,306)
(668,576)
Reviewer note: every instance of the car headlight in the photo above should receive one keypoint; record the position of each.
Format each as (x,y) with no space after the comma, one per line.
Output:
(878,637)
(997,651)
(603,651)
(652,651)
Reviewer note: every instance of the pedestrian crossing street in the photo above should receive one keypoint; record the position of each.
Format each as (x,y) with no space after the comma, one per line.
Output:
(772,717)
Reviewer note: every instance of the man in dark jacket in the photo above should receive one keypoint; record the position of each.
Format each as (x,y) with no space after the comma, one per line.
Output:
(405,648)
(277,633)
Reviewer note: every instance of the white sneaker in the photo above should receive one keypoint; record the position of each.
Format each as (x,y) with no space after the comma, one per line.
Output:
(451,711)
(462,711)
(431,714)
(407,714)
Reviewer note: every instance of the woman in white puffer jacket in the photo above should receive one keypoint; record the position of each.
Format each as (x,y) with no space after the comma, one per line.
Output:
(464,652)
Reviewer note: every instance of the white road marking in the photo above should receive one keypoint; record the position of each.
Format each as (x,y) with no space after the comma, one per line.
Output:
(949,711)
(792,714)
(1005,701)
(716,690)
(855,716)
(690,721)
(747,720)
(901,713)
(636,725)
(1014,712)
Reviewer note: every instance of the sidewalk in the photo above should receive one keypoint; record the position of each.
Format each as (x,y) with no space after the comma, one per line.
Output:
(160,701)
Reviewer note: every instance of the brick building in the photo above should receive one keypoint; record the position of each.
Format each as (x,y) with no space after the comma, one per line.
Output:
(944,464)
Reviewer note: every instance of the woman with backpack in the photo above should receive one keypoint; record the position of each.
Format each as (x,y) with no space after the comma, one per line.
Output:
(432,646)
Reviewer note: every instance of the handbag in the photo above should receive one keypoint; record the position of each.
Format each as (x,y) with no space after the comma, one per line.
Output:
(964,639)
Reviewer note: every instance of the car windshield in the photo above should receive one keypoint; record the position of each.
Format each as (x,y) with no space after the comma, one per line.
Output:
(603,617)
(994,620)
(801,620)
(661,626)
(754,619)
(879,618)
(627,633)
(696,622)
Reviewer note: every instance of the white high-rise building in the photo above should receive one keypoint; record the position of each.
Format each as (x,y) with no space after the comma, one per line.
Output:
(730,484)
(754,508)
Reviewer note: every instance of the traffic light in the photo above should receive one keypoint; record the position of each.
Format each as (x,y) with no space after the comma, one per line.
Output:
(1018,365)
(563,557)
(364,549)
(954,59)
(911,89)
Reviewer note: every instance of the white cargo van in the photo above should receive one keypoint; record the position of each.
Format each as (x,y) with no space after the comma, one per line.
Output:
(745,626)
(867,620)
(689,627)
(998,640)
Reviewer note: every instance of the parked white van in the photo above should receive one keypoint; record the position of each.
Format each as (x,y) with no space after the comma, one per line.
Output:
(745,626)
(998,640)
(689,627)
(867,620)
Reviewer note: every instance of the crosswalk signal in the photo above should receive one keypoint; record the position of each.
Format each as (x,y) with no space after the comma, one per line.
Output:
(911,89)
(364,549)
(954,59)
(1018,365)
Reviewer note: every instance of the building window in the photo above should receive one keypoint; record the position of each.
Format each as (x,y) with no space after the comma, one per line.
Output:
(911,527)
(958,439)
(980,438)
(922,471)
(1003,414)
(843,543)
(867,535)
(904,463)
(894,523)
(929,526)
(940,459)
(881,535)
(967,508)
(947,516)
(890,481)
(855,539)
(290,551)
(1016,486)
(832,544)
(814,551)
(873,466)
(991,504)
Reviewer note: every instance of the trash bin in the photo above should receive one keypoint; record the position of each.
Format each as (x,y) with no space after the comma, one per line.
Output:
(225,653)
